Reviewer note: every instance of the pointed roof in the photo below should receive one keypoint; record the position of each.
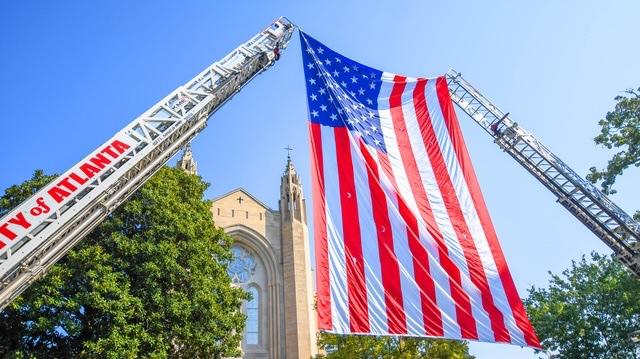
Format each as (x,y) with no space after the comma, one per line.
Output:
(289,167)
(246,193)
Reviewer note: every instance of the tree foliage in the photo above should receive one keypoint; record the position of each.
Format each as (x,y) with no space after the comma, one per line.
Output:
(588,311)
(363,346)
(150,281)
(620,129)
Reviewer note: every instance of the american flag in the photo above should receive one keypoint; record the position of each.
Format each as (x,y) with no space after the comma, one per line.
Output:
(403,239)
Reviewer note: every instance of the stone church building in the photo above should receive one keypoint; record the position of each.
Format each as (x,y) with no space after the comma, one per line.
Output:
(272,262)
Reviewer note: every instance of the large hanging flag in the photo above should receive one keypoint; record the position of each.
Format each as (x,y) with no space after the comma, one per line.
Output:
(404,241)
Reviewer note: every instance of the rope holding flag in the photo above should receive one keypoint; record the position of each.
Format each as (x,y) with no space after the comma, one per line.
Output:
(404,241)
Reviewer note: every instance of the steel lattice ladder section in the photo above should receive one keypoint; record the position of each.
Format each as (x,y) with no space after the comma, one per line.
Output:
(587,203)
(156,136)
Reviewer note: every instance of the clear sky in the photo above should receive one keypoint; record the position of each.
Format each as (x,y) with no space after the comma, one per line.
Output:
(72,73)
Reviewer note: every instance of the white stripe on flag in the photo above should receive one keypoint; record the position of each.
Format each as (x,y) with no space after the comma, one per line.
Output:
(441,278)
(337,264)
(410,289)
(469,212)
(373,273)
(434,196)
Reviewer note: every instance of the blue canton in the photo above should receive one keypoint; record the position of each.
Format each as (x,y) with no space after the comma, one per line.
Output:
(342,92)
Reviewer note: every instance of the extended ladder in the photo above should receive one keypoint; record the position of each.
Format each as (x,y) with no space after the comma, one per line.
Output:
(603,217)
(38,232)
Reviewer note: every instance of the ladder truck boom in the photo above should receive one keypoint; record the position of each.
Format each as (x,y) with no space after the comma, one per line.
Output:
(580,197)
(38,232)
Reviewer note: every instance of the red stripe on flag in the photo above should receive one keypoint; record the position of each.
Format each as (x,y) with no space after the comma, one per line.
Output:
(389,269)
(431,314)
(323,295)
(462,154)
(357,290)
(464,314)
(452,204)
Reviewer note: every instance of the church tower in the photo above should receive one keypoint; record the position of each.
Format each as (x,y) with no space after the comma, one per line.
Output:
(187,163)
(300,319)
(271,260)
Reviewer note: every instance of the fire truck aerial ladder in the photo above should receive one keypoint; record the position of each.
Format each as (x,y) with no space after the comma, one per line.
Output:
(595,210)
(41,230)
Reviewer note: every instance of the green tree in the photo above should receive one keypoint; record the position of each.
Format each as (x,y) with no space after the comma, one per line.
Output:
(150,281)
(619,129)
(588,311)
(364,346)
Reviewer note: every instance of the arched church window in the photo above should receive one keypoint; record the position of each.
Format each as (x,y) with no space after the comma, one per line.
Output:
(253,315)
(242,265)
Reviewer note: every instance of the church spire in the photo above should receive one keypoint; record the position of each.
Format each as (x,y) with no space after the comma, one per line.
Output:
(292,204)
(300,324)
(288,149)
(187,163)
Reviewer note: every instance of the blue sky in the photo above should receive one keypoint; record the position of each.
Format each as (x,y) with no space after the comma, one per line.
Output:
(73,73)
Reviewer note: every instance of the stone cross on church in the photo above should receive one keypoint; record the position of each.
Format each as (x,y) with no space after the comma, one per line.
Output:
(272,262)
(288,149)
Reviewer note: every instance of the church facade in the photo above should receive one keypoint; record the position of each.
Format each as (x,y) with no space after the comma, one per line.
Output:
(272,262)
